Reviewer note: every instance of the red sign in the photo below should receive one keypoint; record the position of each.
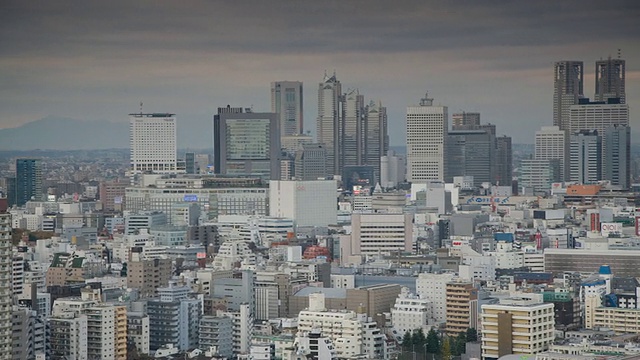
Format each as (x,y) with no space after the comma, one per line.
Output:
(595,222)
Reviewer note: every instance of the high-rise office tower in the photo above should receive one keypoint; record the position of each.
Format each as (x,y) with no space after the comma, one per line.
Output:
(551,145)
(470,153)
(247,144)
(376,137)
(286,101)
(465,120)
(5,281)
(28,181)
(610,80)
(567,90)
(427,126)
(617,156)
(352,129)
(598,115)
(153,143)
(329,120)
(311,162)
(585,160)
(504,163)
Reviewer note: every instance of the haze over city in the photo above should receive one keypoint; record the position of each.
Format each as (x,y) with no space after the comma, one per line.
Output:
(98,61)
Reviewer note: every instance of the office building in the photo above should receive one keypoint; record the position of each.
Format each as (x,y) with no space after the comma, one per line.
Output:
(246,143)
(381,234)
(589,115)
(237,291)
(461,307)
(617,156)
(112,195)
(551,144)
(351,148)
(504,161)
(310,162)
(471,153)
(174,318)
(433,287)
(308,203)
(568,88)
(427,126)
(287,102)
(28,181)
(393,169)
(585,157)
(465,120)
(144,220)
(148,275)
(623,263)
(292,143)
(153,143)
(610,80)
(536,176)
(376,138)
(519,326)
(216,331)
(190,163)
(411,312)
(329,121)
(5,281)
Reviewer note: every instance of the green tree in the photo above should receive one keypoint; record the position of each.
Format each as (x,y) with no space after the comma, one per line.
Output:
(433,342)
(472,335)
(418,339)
(459,344)
(446,349)
(407,341)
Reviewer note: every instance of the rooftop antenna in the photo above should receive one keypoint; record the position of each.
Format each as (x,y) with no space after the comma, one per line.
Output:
(140,107)
(619,53)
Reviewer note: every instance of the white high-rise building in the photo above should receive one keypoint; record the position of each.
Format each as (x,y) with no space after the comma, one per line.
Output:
(380,233)
(153,143)
(551,145)
(433,287)
(427,126)
(5,283)
(411,312)
(286,101)
(308,203)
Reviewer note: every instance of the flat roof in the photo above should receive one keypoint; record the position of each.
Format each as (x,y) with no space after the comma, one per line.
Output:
(153,115)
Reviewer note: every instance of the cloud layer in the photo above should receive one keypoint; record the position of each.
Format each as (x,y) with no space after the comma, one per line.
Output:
(98,60)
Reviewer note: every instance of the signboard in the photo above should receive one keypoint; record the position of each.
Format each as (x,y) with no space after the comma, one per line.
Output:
(190,198)
(117,200)
(637,225)
(487,200)
(595,222)
(608,228)
(201,255)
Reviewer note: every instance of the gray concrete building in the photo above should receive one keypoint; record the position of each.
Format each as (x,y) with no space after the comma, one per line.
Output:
(311,162)
(617,156)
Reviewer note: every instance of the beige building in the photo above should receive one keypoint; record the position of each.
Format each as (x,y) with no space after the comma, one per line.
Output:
(148,275)
(65,269)
(620,320)
(375,234)
(462,307)
(520,326)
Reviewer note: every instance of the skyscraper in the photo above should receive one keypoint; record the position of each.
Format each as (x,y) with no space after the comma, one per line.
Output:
(551,145)
(329,120)
(504,163)
(610,80)
(28,180)
(586,157)
(286,101)
(5,281)
(617,156)
(465,120)
(376,143)
(427,126)
(567,89)
(472,153)
(246,143)
(153,143)
(352,142)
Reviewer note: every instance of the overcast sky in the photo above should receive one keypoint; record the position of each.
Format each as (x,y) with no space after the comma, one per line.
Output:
(97,60)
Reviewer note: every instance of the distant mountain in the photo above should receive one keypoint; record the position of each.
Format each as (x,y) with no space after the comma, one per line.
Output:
(57,133)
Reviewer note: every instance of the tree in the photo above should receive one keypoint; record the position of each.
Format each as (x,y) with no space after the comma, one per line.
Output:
(472,335)
(407,342)
(446,349)
(433,342)
(459,344)
(418,339)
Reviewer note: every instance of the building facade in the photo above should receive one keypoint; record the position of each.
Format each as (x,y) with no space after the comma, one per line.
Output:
(287,102)
(427,126)
(153,143)
(568,88)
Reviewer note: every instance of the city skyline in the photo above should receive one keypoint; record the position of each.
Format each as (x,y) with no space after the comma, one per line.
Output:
(98,62)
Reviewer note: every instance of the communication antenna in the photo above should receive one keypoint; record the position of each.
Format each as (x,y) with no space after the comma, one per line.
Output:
(140,107)
(619,53)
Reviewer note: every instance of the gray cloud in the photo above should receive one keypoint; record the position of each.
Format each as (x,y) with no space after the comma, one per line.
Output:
(98,59)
